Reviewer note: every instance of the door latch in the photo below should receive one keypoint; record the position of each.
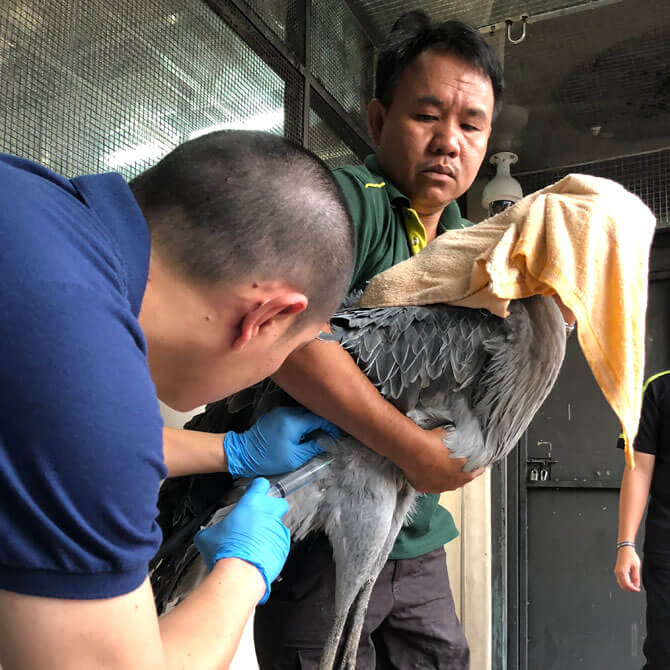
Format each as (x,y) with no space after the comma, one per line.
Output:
(539,469)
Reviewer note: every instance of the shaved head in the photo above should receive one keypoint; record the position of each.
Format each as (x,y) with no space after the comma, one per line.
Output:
(235,205)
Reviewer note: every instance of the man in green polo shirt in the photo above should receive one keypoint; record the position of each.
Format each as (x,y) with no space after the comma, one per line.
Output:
(437,91)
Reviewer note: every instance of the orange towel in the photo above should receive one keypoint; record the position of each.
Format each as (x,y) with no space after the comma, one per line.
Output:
(586,239)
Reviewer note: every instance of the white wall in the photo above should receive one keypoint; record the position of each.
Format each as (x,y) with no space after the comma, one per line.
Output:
(469,565)
(174,419)
(245,659)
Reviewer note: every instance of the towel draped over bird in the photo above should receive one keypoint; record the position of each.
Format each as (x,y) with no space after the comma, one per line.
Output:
(584,238)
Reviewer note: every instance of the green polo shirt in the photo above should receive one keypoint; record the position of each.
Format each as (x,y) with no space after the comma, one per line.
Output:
(389,231)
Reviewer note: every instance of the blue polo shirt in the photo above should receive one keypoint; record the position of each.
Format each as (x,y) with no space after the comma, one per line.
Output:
(80,431)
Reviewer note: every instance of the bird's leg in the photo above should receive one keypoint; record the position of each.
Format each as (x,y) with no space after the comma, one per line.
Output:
(327,661)
(404,504)
(357,618)
(353,583)
(358,526)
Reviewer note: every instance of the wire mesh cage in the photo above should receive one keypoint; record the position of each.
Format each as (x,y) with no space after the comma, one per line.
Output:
(645,175)
(285,18)
(479,13)
(342,57)
(274,13)
(90,87)
(326,144)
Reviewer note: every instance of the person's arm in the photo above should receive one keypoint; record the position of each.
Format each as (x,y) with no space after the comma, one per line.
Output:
(635,487)
(124,633)
(632,502)
(324,378)
(81,460)
(190,452)
(245,552)
(274,444)
(204,631)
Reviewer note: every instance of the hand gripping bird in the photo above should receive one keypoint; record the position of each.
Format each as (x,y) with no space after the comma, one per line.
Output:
(481,377)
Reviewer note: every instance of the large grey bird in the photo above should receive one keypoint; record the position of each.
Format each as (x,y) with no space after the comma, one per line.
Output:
(480,376)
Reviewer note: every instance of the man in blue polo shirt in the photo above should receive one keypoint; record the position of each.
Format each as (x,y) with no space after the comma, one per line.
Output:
(194,281)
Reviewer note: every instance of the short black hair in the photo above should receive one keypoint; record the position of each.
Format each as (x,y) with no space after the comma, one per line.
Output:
(413,33)
(234,204)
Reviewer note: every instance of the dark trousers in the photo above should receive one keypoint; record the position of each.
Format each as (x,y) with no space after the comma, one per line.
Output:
(410,623)
(656,580)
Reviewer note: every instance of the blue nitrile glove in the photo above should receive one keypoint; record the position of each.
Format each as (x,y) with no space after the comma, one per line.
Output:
(272,445)
(252,531)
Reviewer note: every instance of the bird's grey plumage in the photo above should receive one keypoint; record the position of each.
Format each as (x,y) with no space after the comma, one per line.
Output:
(480,376)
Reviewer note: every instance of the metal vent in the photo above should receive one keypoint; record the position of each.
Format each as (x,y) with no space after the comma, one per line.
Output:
(592,84)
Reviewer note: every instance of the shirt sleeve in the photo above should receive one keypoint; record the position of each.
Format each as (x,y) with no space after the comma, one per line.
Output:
(365,217)
(80,444)
(648,431)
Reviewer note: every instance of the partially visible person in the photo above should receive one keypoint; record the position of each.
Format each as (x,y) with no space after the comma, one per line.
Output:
(437,91)
(649,481)
(193,281)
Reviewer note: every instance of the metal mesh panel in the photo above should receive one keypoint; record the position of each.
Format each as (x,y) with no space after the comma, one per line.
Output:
(283,17)
(327,145)
(624,92)
(342,57)
(94,86)
(593,85)
(646,176)
(479,13)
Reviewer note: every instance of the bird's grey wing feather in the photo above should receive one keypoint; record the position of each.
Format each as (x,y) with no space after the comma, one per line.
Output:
(403,350)
(522,369)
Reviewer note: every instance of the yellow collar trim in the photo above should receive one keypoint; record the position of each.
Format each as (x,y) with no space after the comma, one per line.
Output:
(415,230)
(651,379)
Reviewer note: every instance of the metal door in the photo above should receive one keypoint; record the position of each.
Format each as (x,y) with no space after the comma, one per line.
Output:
(556,603)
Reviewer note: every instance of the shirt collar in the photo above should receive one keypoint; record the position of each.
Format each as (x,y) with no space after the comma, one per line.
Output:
(451,216)
(109,196)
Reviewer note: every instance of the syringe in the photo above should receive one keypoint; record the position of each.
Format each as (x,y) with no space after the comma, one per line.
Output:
(292,481)
(281,487)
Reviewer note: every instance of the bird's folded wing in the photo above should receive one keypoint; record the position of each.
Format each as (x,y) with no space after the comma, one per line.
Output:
(404,350)
(586,239)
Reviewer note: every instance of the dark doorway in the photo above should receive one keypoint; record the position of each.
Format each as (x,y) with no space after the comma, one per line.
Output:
(556,603)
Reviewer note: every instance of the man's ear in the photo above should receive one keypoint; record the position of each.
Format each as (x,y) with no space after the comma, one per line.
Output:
(265,313)
(376,118)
